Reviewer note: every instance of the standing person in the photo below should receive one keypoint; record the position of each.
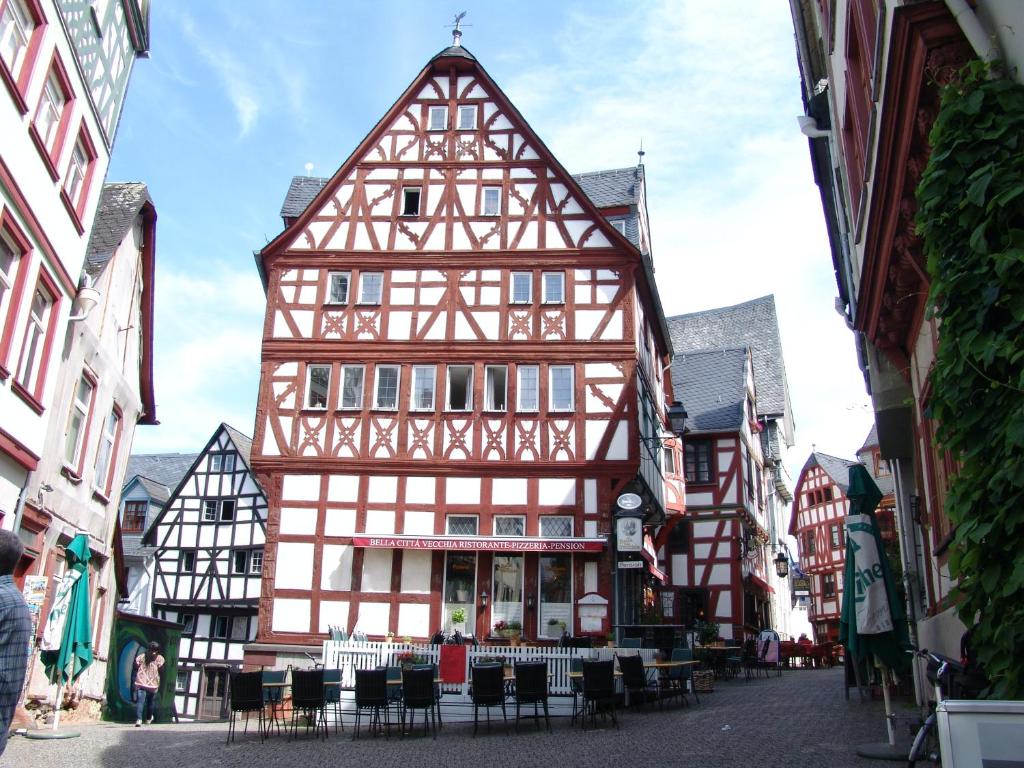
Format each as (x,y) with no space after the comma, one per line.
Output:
(15,633)
(148,668)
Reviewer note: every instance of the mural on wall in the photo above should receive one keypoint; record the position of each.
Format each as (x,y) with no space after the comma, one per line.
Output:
(130,636)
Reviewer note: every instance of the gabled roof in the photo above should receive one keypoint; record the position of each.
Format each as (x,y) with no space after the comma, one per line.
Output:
(753,323)
(161,469)
(871,441)
(836,468)
(158,493)
(118,208)
(711,385)
(301,192)
(242,442)
(608,189)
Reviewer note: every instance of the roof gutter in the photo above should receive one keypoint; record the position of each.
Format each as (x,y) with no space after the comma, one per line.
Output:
(984,44)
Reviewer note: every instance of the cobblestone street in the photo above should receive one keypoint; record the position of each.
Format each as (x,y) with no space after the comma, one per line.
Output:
(800,719)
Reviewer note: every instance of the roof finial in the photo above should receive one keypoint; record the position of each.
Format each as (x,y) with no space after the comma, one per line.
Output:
(456,31)
(640,154)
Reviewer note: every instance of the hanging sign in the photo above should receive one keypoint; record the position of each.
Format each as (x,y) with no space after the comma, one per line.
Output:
(629,533)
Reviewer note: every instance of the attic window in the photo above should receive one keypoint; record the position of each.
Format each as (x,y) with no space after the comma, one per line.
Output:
(411,201)
(620,225)
(437,118)
(467,117)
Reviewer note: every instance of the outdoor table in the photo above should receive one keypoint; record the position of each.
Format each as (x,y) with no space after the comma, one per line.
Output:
(274,706)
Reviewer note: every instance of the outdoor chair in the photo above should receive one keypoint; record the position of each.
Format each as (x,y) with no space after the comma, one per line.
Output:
(751,666)
(372,693)
(532,688)
(488,691)
(676,679)
(437,689)
(576,684)
(273,697)
(332,696)
(598,691)
(734,660)
(632,642)
(634,678)
(395,690)
(418,693)
(245,695)
(308,701)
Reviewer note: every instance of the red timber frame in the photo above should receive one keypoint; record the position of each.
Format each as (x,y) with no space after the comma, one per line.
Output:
(437,267)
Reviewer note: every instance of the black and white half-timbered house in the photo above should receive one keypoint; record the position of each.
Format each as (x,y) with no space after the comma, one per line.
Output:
(207,567)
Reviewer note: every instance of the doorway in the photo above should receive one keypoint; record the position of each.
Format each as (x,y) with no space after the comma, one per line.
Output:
(214,693)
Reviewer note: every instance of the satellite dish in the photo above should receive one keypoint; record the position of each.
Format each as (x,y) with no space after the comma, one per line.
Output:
(629,501)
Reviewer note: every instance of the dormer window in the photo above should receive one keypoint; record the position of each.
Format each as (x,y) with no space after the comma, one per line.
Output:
(619,225)
(467,117)
(411,201)
(437,118)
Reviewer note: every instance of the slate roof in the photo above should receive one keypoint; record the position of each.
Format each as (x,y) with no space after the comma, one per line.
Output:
(161,469)
(131,547)
(242,442)
(710,385)
(871,440)
(301,192)
(836,468)
(455,50)
(119,205)
(753,323)
(606,189)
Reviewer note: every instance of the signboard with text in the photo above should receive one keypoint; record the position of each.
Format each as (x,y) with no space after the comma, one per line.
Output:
(480,543)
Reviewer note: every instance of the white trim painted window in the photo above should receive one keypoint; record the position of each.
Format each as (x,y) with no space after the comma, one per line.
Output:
(555,526)
(256,561)
(437,118)
(462,525)
(240,562)
(467,117)
(560,387)
(554,287)
(210,510)
(424,378)
(528,387)
(78,419)
(385,388)
(337,287)
(352,377)
(74,179)
(460,388)
(318,386)
(371,287)
(49,110)
(509,525)
(492,201)
(619,225)
(496,387)
(108,438)
(411,198)
(10,258)
(16,27)
(30,366)
(522,287)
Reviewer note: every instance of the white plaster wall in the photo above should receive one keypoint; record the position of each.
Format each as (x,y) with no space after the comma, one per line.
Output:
(376,570)
(294,565)
(416,566)
(290,615)
(336,567)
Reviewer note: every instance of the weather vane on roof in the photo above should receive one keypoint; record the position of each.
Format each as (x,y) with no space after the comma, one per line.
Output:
(457,28)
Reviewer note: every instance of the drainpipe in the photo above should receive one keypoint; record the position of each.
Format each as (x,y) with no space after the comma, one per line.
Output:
(982,42)
(19,507)
(905,531)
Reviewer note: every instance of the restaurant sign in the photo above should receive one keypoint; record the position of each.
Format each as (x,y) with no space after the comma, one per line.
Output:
(801,585)
(481,543)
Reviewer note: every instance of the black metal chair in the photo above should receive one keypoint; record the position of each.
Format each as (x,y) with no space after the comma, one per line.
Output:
(576,684)
(372,693)
(532,688)
(635,680)
(245,695)
(273,696)
(598,691)
(750,666)
(418,693)
(308,701)
(488,691)
(395,690)
(674,681)
(332,696)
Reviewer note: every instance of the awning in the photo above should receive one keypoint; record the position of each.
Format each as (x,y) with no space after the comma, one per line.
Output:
(566,545)
(757,581)
(651,558)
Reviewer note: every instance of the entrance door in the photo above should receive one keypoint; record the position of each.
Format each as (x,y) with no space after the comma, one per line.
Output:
(214,688)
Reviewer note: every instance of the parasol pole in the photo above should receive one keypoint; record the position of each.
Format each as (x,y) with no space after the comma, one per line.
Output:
(886,675)
(56,706)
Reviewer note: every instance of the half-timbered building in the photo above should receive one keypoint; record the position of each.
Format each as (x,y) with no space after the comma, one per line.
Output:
(207,566)
(462,352)
(734,466)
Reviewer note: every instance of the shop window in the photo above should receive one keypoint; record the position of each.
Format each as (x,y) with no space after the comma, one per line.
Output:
(507,582)
(460,387)
(460,588)
(555,577)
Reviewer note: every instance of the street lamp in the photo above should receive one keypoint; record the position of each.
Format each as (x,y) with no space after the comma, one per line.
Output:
(483,599)
(782,565)
(677,418)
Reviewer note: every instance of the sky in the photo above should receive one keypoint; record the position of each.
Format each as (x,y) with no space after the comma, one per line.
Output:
(236,98)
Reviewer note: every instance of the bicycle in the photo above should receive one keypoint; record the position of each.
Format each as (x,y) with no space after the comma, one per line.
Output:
(941,671)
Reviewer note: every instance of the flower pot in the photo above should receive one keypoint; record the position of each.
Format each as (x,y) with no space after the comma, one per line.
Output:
(514,638)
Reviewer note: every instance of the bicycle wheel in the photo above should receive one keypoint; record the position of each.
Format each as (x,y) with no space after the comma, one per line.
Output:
(925,749)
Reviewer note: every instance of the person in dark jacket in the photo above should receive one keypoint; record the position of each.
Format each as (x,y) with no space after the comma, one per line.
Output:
(15,633)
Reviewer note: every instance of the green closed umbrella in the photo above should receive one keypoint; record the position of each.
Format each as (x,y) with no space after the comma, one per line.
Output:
(873,624)
(67,637)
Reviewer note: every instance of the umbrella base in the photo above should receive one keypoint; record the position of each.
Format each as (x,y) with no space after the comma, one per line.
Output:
(48,734)
(884,751)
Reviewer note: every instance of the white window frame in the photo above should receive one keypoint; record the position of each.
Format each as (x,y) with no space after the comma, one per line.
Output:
(330,287)
(551,388)
(216,462)
(520,518)
(376,387)
(448,527)
(489,390)
(52,100)
(221,507)
(358,405)
(469,389)
(181,561)
(619,225)
(423,373)
(307,401)
(528,277)
(229,463)
(234,562)
(8,275)
(17,21)
(440,124)
(363,299)
(209,510)
(668,460)
(74,179)
(181,679)
(256,561)
(83,409)
(467,109)
(544,287)
(487,209)
(543,519)
(105,454)
(406,191)
(520,388)
(30,367)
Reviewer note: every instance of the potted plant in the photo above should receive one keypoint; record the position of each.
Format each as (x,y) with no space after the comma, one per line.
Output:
(707,632)
(512,630)
(408,659)
(459,619)
(389,638)
(554,628)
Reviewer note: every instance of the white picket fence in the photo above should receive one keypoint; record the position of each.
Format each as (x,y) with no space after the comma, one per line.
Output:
(349,656)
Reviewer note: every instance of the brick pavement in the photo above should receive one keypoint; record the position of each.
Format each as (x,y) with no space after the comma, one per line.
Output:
(798,720)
